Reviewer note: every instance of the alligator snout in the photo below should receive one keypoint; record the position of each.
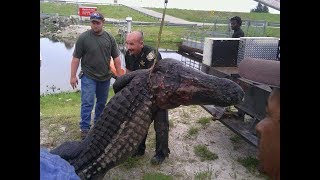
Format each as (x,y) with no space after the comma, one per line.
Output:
(175,84)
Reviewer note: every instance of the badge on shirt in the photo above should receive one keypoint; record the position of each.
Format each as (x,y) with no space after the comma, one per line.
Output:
(142,63)
(151,56)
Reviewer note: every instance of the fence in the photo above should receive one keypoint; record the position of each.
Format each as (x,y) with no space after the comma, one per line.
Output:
(221,28)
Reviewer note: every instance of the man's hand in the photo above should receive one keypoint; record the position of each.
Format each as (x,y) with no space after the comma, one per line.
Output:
(117,65)
(74,82)
(74,67)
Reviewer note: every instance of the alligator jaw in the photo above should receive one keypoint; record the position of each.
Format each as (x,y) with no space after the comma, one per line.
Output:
(175,84)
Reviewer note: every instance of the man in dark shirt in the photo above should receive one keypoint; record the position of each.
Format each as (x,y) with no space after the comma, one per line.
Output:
(94,49)
(235,26)
(140,56)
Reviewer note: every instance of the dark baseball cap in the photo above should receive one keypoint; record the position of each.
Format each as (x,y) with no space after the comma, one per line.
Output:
(96,16)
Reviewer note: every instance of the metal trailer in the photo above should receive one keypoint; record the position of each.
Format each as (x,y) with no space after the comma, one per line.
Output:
(220,57)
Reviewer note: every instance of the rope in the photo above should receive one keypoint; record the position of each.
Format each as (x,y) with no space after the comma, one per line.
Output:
(159,36)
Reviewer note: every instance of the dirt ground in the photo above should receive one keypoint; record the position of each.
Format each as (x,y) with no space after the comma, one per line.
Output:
(182,162)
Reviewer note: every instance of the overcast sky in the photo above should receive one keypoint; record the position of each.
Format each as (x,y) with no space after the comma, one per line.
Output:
(218,5)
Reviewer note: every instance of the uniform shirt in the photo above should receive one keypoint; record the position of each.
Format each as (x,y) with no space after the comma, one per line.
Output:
(95,52)
(143,61)
(238,33)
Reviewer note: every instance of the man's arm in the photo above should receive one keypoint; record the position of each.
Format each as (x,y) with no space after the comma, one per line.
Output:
(117,65)
(74,67)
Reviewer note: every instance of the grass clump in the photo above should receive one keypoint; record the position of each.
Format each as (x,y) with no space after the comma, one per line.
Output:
(156,176)
(204,153)
(250,163)
(204,121)
(204,175)
(132,162)
(192,131)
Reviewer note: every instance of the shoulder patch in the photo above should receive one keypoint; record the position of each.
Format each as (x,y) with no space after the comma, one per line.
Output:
(151,56)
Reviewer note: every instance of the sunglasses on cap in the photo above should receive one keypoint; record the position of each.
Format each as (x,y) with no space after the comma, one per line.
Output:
(96,16)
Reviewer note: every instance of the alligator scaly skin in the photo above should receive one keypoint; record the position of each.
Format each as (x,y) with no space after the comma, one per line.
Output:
(126,118)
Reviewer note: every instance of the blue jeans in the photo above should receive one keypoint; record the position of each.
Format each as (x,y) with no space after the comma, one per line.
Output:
(89,90)
(53,167)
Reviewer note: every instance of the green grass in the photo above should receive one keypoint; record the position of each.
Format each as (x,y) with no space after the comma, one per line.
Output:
(132,162)
(235,139)
(63,104)
(170,37)
(204,175)
(251,163)
(63,9)
(204,153)
(109,11)
(156,176)
(204,121)
(121,12)
(209,17)
(62,110)
(192,131)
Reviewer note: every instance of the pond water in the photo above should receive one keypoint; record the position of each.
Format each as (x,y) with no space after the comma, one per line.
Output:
(56,62)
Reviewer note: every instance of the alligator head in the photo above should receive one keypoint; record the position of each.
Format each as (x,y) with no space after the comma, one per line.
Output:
(127,116)
(174,84)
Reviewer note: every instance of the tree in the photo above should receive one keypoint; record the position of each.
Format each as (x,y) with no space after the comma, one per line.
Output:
(260,9)
(265,9)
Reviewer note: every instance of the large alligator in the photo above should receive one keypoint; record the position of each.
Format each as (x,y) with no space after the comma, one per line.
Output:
(127,116)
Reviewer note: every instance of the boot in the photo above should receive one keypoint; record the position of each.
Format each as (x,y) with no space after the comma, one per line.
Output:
(158,158)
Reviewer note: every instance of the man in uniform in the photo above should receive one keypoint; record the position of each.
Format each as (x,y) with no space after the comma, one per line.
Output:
(140,56)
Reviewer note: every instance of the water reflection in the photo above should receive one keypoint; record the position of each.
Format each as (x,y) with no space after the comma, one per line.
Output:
(55,66)
(69,45)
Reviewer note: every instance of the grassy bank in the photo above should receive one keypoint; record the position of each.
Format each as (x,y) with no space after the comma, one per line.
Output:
(170,35)
(210,16)
(121,12)
(116,12)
